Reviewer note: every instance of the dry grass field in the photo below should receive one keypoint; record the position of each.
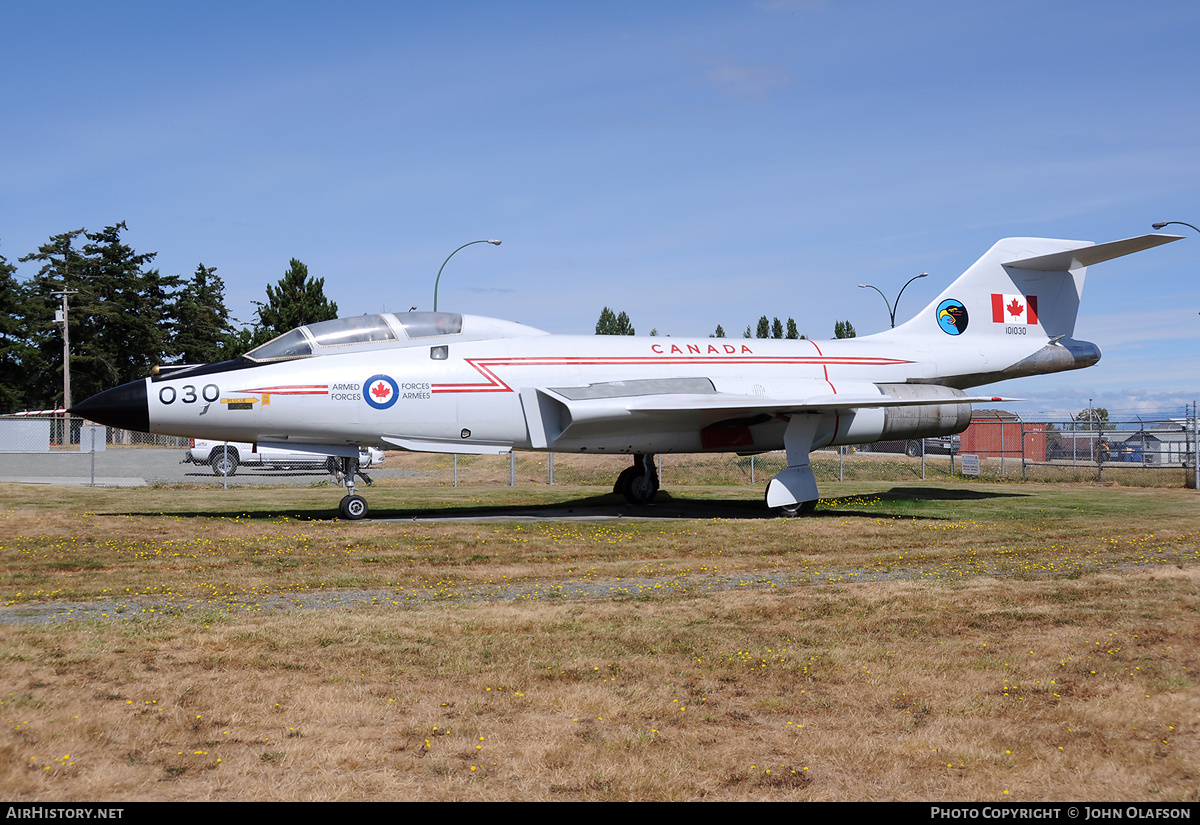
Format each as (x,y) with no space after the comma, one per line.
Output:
(937,641)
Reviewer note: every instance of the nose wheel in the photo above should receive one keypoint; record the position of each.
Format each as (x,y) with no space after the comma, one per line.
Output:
(352,507)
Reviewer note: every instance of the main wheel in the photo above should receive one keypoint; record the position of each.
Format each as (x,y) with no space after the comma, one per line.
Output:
(353,508)
(224,461)
(622,482)
(912,449)
(803,508)
(639,488)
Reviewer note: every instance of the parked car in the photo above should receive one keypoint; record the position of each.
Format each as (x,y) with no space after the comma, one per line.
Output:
(226,457)
(941,445)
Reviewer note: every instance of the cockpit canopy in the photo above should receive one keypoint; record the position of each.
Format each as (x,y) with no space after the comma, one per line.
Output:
(367,332)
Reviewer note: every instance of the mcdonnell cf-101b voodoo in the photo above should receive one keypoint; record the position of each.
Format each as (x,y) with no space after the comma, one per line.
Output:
(442,382)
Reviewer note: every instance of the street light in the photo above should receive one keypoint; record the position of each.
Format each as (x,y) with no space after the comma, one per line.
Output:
(891,308)
(1161,224)
(1195,419)
(448,257)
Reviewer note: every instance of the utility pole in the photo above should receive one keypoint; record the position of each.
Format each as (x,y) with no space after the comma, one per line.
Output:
(61,316)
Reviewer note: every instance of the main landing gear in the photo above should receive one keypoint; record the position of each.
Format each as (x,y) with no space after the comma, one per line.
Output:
(352,507)
(639,483)
(793,492)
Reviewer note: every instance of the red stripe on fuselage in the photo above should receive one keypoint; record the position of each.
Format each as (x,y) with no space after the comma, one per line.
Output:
(827,381)
(495,384)
(307,389)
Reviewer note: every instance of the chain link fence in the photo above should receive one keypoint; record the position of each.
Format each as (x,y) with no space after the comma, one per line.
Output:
(1158,451)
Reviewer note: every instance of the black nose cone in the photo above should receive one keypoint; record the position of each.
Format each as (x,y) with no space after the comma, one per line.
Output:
(124,406)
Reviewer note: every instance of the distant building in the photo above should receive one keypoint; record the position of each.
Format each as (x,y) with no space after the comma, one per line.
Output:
(996,433)
(1164,444)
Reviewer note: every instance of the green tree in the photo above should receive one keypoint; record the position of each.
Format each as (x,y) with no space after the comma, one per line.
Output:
(843,329)
(610,324)
(203,327)
(747,334)
(121,314)
(15,352)
(607,322)
(295,301)
(764,328)
(792,333)
(776,329)
(1093,418)
(133,310)
(62,264)
(720,333)
(238,342)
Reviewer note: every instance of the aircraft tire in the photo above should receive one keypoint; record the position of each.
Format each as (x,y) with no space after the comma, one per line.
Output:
(353,508)
(224,461)
(804,508)
(912,449)
(622,482)
(638,488)
(800,508)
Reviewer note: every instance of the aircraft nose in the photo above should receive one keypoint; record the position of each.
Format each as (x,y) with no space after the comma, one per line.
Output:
(124,406)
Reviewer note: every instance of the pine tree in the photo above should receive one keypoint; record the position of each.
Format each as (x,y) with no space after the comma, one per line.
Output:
(61,265)
(14,340)
(764,328)
(607,322)
(776,329)
(133,312)
(610,324)
(843,329)
(720,333)
(203,318)
(792,332)
(121,313)
(295,301)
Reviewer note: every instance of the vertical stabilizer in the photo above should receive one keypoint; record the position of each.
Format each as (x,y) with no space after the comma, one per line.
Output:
(1028,287)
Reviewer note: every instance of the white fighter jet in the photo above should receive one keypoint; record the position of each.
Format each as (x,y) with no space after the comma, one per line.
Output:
(442,382)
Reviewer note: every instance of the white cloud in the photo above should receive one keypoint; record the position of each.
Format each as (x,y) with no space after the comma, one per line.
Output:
(747,81)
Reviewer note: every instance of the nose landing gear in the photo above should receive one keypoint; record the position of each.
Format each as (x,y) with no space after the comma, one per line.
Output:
(352,507)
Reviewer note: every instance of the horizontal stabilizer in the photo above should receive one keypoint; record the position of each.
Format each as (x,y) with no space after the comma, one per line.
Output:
(1090,254)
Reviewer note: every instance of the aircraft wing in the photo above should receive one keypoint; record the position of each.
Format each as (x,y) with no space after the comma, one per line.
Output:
(738,404)
(551,411)
(432,445)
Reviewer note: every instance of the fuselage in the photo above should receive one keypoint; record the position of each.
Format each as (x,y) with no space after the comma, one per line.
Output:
(464,388)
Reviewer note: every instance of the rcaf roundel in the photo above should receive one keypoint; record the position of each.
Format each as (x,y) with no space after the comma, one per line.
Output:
(380,391)
(1014,309)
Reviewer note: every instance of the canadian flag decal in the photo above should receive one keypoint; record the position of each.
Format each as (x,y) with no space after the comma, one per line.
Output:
(1014,309)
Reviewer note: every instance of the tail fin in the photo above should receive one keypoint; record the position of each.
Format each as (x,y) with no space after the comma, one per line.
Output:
(1025,286)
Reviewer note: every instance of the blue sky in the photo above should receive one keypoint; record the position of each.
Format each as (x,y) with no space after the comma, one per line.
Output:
(692,164)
